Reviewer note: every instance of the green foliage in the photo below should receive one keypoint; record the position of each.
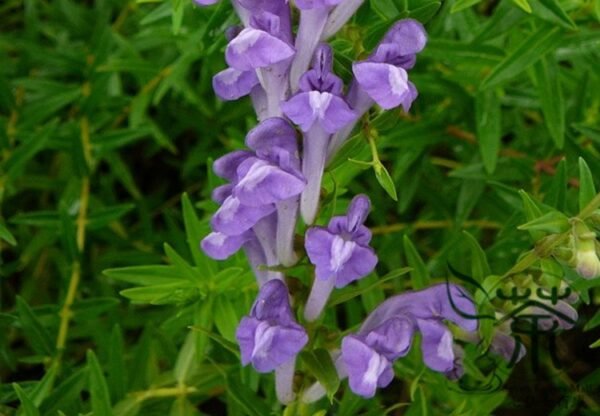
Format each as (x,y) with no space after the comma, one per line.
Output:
(108,126)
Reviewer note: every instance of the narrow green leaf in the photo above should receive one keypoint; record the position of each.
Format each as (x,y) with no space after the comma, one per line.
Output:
(182,265)
(7,236)
(587,190)
(42,389)
(593,322)
(463,4)
(35,332)
(480,268)
(203,318)
(171,293)
(419,274)
(595,344)
(146,275)
(195,231)
(226,320)
(27,405)
(129,406)
(66,392)
(488,119)
(98,388)
(320,365)
(31,145)
(554,8)
(385,180)
(186,363)
(528,52)
(532,211)
(551,98)
(523,4)
(557,194)
(551,222)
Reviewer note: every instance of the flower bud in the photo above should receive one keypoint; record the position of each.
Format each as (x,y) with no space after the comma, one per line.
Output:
(587,263)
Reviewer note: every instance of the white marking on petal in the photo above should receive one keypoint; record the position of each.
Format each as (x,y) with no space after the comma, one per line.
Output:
(255,175)
(217,239)
(398,80)
(341,251)
(375,367)
(319,102)
(444,349)
(229,208)
(245,40)
(262,339)
(230,76)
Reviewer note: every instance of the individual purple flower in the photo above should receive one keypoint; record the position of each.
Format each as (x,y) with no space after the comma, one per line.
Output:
(231,84)
(262,183)
(387,333)
(270,338)
(368,358)
(259,45)
(382,78)
(320,111)
(340,253)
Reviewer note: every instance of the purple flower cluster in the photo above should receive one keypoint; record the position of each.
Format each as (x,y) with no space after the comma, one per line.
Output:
(290,80)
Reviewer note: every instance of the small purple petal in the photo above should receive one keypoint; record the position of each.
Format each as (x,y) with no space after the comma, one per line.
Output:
(233,217)
(205,2)
(436,344)
(254,48)
(262,183)
(386,84)
(273,132)
(409,35)
(272,303)
(361,263)
(409,97)
(316,4)
(366,369)
(221,193)
(231,84)
(220,246)
(357,212)
(306,108)
(336,115)
(299,110)
(226,166)
(393,338)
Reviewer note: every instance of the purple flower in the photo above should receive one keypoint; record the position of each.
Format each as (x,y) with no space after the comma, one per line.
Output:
(257,206)
(320,111)
(383,76)
(259,45)
(340,253)
(319,100)
(259,180)
(387,333)
(270,338)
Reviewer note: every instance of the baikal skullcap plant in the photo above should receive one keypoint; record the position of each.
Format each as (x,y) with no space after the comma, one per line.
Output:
(387,207)
(305,113)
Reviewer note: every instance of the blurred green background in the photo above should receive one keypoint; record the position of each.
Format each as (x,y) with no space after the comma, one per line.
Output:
(107,117)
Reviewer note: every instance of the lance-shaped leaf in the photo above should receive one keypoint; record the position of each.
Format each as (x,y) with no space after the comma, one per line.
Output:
(551,98)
